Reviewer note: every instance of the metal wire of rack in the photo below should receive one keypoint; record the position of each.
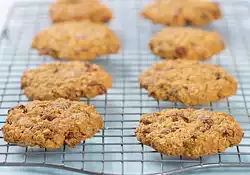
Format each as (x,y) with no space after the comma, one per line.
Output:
(115,150)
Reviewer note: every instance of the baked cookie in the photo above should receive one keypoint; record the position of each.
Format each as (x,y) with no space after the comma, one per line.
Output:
(188,132)
(185,42)
(68,80)
(187,81)
(50,124)
(182,12)
(76,40)
(68,10)
(72,1)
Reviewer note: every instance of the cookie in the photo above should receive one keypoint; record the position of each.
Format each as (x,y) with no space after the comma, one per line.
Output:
(187,81)
(76,40)
(185,42)
(181,12)
(188,132)
(50,124)
(77,10)
(72,1)
(68,80)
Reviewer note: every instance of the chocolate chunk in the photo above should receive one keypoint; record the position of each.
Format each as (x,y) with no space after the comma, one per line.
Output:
(181,51)
(165,131)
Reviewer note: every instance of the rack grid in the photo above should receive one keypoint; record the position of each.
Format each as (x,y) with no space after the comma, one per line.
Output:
(115,150)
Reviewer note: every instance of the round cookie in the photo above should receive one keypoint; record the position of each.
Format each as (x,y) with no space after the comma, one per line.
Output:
(76,40)
(50,124)
(188,132)
(68,10)
(72,1)
(68,80)
(181,12)
(187,81)
(187,43)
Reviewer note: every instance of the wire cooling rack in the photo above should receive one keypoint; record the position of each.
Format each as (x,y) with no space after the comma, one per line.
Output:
(115,150)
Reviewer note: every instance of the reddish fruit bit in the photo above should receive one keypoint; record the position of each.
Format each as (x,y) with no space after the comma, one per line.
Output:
(165,131)
(146,131)
(19,107)
(218,76)
(181,51)
(70,135)
(227,132)
(45,51)
(205,119)
(105,18)
(205,128)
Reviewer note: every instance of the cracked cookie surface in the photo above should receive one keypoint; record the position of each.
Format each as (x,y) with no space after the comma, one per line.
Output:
(188,132)
(50,124)
(186,43)
(181,12)
(68,80)
(77,10)
(187,81)
(76,40)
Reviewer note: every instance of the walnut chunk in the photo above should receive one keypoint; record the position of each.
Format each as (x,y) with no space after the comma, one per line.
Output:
(218,76)
(101,88)
(146,121)
(48,117)
(69,136)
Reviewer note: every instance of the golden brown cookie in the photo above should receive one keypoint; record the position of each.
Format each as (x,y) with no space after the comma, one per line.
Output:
(72,1)
(182,12)
(76,40)
(69,80)
(187,81)
(50,124)
(68,10)
(185,42)
(188,132)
